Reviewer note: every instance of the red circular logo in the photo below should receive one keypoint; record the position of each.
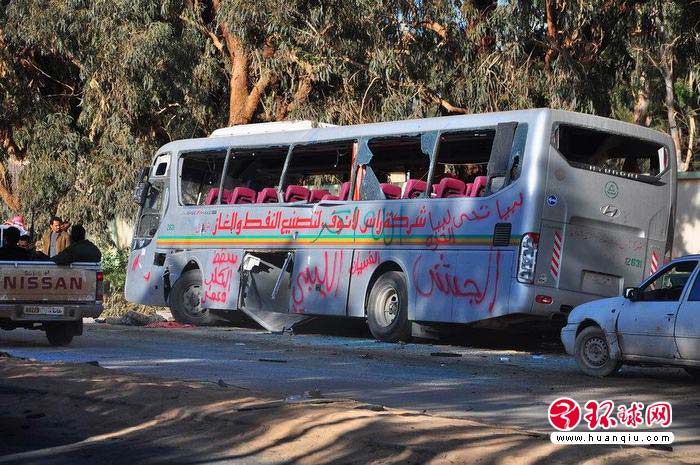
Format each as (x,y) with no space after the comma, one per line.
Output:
(564,414)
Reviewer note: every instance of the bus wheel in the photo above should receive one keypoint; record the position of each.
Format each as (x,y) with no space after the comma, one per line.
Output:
(387,308)
(185,300)
(593,354)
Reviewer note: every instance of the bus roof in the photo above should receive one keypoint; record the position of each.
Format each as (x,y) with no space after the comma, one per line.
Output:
(323,133)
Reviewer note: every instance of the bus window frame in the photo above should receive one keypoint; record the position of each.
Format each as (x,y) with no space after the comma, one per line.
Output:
(283,177)
(365,156)
(180,164)
(645,178)
(230,150)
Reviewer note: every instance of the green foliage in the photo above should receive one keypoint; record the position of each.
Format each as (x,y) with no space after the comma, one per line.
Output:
(114,263)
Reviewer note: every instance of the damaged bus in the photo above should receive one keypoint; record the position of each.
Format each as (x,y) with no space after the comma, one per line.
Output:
(490,219)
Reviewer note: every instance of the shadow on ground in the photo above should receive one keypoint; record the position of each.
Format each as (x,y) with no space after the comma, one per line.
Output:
(84,414)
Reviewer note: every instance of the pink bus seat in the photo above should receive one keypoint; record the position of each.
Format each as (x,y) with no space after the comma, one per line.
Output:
(468,192)
(479,186)
(414,188)
(317,195)
(242,195)
(267,195)
(391,191)
(330,197)
(450,187)
(296,193)
(344,191)
(214,193)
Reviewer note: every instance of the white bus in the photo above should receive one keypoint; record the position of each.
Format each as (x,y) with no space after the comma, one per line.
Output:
(492,218)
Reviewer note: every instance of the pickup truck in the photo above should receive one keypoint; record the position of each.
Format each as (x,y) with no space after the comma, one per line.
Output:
(44,296)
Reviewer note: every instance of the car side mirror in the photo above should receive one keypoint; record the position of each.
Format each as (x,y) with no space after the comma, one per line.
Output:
(631,293)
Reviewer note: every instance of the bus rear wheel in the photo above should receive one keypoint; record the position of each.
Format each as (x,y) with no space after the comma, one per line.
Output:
(186,301)
(387,308)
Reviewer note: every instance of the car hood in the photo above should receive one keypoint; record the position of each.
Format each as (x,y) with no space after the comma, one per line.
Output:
(599,310)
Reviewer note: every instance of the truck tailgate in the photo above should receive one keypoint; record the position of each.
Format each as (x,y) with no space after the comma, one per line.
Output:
(48,283)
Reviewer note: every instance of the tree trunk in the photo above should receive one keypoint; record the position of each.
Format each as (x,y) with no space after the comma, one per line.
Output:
(691,142)
(552,38)
(243,101)
(641,106)
(670,101)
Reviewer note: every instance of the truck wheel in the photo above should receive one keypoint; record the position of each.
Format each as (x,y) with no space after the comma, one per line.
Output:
(59,335)
(185,301)
(387,308)
(593,354)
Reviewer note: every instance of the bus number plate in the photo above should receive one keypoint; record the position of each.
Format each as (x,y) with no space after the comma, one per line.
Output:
(41,310)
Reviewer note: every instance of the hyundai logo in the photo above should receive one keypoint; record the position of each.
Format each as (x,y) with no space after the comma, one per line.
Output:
(610,210)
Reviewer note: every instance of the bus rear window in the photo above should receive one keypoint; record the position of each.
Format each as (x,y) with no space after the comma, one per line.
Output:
(609,153)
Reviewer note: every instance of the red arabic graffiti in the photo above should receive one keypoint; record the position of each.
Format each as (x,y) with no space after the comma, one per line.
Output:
(218,285)
(448,282)
(511,209)
(137,265)
(324,279)
(360,265)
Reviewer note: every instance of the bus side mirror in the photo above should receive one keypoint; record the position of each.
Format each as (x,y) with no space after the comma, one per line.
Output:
(631,293)
(141,192)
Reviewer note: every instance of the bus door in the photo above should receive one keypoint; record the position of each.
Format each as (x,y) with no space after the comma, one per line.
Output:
(606,208)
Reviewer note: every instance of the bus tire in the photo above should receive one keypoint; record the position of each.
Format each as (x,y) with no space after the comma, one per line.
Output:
(185,301)
(59,334)
(593,354)
(387,308)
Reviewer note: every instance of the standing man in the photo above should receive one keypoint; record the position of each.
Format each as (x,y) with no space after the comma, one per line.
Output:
(54,240)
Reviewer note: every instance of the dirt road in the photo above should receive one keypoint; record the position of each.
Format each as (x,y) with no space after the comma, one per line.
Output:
(497,387)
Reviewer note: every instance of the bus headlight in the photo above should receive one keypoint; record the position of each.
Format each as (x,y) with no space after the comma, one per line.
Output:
(528,257)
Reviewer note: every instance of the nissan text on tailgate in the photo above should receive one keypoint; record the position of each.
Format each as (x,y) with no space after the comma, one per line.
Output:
(51,298)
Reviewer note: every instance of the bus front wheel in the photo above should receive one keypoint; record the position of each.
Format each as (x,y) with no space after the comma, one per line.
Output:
(186,300)
(387,308)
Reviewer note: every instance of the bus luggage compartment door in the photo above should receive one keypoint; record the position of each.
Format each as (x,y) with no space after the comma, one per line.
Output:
(264,290)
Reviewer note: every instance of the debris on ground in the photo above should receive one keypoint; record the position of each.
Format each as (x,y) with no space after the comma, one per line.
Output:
(445,354)
(272,360)
(169,325)
(133,318)
(307,395)
(371,407)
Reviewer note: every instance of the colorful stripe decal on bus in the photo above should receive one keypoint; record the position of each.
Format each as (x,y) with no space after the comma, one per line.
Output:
(311,239)
(555,266)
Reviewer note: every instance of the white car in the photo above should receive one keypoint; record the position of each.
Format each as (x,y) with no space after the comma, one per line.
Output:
(657,323)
